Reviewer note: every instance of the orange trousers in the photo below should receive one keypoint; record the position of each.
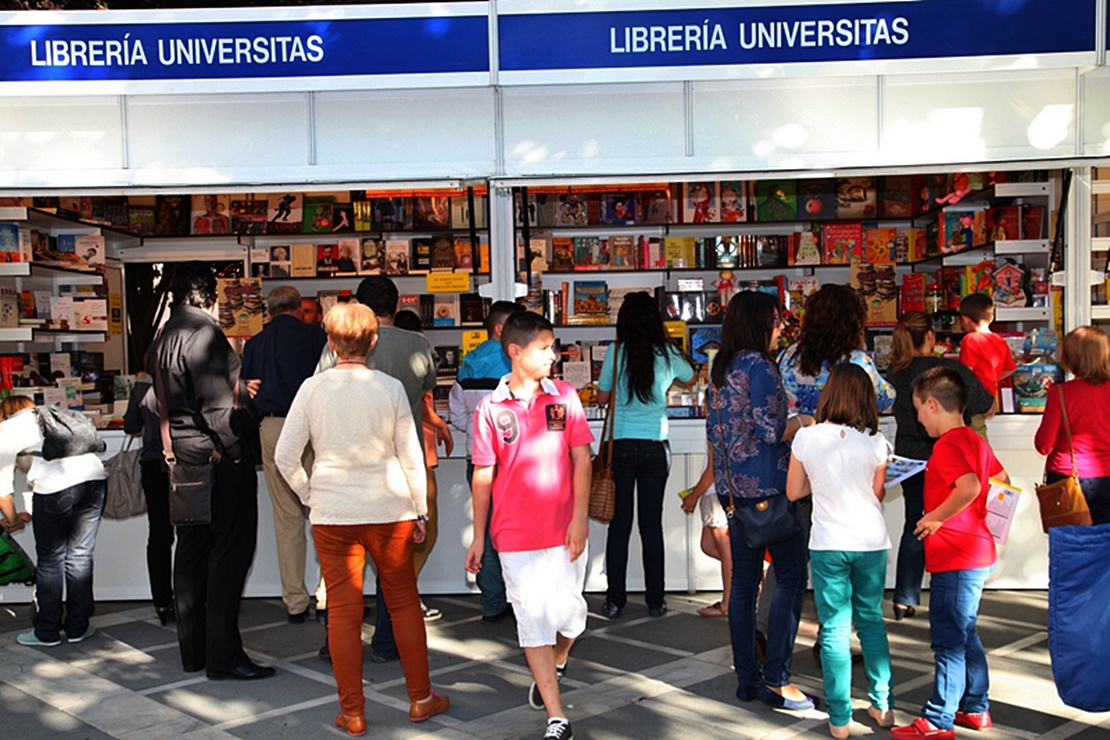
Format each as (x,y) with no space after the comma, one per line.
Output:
(342,550)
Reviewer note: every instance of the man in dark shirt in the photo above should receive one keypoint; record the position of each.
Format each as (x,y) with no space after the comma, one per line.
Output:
(210,416)
(281,357)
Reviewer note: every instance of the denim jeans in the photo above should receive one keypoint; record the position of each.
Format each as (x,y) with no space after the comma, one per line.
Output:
(1095,490)
(961,681)
(65,525)
(847,588)
(910,569)
(491,584)
(640,469)
(789,557)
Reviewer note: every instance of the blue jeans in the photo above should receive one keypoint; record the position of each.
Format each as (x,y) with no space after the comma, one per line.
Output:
(1095,490)
(491,584)
(910,569)
(640,469)
(847,588)
(789,558)
(65,525)
(961,681)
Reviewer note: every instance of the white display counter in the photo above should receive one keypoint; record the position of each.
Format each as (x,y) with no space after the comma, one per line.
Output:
(120,560)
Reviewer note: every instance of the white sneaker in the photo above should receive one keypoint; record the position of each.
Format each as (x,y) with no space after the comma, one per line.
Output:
(29,638)
(88,633)
(430,614)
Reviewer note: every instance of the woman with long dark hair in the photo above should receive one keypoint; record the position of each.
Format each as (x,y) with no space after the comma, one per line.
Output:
(911,355)
(748,431)
(646,366)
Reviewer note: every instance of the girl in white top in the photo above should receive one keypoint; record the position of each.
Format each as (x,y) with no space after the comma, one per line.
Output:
(841,460)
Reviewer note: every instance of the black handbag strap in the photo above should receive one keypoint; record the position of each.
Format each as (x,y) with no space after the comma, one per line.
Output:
(1067,430)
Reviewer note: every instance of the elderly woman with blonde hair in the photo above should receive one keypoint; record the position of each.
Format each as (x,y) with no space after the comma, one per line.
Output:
(366,493)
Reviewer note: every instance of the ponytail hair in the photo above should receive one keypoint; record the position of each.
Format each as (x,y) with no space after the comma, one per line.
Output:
(909,336)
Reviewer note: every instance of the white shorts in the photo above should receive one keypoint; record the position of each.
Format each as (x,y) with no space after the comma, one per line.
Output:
(712,514)
(545,589)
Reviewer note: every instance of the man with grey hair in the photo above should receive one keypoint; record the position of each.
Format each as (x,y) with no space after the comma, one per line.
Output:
(281,357)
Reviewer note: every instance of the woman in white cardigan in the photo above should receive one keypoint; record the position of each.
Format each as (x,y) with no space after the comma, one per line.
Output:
(366,493)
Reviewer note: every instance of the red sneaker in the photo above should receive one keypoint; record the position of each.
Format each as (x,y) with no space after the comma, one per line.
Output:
(921,728)
(974,720)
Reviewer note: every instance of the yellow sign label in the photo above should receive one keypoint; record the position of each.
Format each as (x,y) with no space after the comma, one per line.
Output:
(115,314)
(448,282)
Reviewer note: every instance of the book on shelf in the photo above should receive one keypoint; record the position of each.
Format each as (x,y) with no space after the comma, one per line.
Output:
(327,262)
(431,212)
(302,261)
(317,214)
(441,399)
(443,252)
(951,282)
(699,202)
(447,361)
(979,278)
(571,209)
(816,199)
(140,220)
(9,243)
(704,341)
(240,306)
(421,254)
(1003,223)
(591,302)
(842,243)
(577,373)
(472,309)
(726,251)
(618,208)
(259,260)
(397,256)
(596,354)
(284,213)
(913,291)
(248,217)
(734,201)
(373,256)
(9,308)
(460,211)
(685,306)
(897,196)
(883,351)
(877,285)
(657,206)
(1009,283)
(362,211)
(797,291)
(390,214)
(878,244)
(856,198)
(622,248)
(171,215)
(342,217)
(806,247)
(445,309)
(61,313)
(680,251)
(587,252)
(776,200)
(676,334)
(347,256)
(562,254)
(90,314)
(464,253)
(1032,221)
(770,250)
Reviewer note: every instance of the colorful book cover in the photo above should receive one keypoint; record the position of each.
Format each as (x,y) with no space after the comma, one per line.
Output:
(390,213)
(571,210)
(348,256)
(878,244)
(259,258)
(770,250)
(951,280)
(878,286)
(776,200)
(657,207)
(897,196)
(248,217)
(727,251)
(431,212)
(591,302)
(363,213)
(464,253)
(680,251)
(283,213)
(979,278)
(734,201)
(618,208)
(1009,284)
(317,214)
(587,250)
(9,243)
(210,215)
(373,257)
(856,198)
(279,264)
(171,215)
(883,351)
(1032,222)
(140,220)
(807,247)
(445,309)
(1004,223)
(240,306)
(397,257)
(443,252)
(797,291)
(956,231)
(917,245)
(562,254)
(704,340)
(842,242)
(913,291)
(327,260)
(623,250)
(472,309)
(699,202)
(817,200)
(342,217)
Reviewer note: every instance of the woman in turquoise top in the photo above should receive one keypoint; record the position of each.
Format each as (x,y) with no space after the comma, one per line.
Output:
(647,365)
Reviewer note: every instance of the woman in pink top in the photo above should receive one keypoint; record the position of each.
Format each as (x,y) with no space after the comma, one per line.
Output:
(1086,354)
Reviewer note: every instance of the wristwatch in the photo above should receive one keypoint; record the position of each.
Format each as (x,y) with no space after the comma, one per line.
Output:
(422,518)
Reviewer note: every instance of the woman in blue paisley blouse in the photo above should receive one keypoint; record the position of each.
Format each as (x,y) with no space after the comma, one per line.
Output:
(748,432)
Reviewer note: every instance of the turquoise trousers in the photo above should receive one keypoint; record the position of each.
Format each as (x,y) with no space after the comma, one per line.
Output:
(847,588)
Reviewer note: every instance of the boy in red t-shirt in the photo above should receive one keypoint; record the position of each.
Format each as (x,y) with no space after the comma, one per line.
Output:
(985,353)
(532,454)
(959,553)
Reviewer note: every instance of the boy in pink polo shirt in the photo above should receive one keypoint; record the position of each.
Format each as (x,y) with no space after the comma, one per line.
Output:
(532,454)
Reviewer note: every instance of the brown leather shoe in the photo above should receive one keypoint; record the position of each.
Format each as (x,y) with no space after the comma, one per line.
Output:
(354,724)
(433,705)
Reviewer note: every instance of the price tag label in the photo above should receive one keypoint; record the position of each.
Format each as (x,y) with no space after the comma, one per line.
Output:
(448,282)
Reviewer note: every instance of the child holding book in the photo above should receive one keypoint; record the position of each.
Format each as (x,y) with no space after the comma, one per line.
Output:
(532,456)
(986,353)
(841,460)
(959,553)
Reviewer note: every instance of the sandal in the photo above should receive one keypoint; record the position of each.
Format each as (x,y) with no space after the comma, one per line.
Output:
(713,610)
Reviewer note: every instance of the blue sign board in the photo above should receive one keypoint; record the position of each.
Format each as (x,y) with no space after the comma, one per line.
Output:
(882,31)
(338,47)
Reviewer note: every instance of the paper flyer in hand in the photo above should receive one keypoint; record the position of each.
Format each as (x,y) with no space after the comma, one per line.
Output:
(1002,501)
(899,468)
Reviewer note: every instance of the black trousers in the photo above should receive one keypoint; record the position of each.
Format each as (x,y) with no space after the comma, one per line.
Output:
(159,541)
(210,569)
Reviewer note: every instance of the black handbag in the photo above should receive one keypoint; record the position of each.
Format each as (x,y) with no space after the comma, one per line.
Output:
(190,485)
(763,521)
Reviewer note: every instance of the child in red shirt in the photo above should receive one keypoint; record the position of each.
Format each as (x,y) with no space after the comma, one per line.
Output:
(985,353)
(532,455)
(959,553)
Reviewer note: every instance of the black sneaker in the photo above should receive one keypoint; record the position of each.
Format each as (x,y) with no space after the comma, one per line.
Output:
(535,700)
(558,729)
